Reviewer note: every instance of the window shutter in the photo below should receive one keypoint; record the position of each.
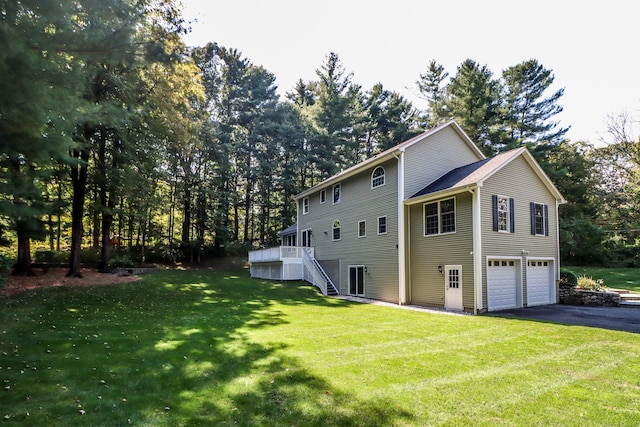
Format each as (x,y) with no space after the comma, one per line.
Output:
(532,206)
(546,220)
(494,199)
(512,215)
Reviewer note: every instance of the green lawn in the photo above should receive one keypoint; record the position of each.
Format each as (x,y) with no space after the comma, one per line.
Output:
(188,348)
(616,278)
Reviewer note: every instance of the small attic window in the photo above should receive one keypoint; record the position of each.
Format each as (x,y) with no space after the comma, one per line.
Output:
(377,177)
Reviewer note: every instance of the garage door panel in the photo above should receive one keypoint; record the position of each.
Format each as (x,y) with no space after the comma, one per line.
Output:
(502,281)
(540,282)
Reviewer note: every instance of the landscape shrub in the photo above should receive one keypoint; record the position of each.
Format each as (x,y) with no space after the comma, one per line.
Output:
(590,284)
(49,256)
(568,279)
(121,260)
(621,253)
(237,249)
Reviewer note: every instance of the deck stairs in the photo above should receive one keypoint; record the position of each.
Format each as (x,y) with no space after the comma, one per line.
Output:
(331,288)
(315,274)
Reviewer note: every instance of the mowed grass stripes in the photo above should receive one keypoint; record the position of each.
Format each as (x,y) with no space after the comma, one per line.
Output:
(210,348)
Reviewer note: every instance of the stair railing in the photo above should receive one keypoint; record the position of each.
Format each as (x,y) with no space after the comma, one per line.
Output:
(315,274)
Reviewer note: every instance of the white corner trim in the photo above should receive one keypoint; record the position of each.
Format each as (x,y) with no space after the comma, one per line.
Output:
(477,248)
(402,267)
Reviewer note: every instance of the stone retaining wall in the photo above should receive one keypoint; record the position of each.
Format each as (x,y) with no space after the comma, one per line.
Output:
(573,296)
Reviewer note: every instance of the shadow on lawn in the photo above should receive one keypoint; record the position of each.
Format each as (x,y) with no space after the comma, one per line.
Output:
(172,349)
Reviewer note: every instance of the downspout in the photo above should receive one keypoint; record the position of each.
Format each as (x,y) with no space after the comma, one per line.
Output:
(477,248)
(298,235)
(402,265)
(557,252)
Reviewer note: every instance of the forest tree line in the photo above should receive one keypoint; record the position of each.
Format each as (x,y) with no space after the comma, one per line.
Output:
(114,133)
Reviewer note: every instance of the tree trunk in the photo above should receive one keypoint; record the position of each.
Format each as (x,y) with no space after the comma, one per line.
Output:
(247,211)
(172,213)
(79,183)
(22,266)
(96,220)
(130,230)
(186,219)
(59,214)
(51,231)
(105,253)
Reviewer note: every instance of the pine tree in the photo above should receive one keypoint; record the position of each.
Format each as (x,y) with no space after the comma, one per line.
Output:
(112,42)
(36,109)
(389,120)
(472,100)
(333,145)
(433,88)
(527,112)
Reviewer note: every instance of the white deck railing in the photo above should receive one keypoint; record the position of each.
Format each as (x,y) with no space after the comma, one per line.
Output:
(311,273)
(278,253)
(297,264)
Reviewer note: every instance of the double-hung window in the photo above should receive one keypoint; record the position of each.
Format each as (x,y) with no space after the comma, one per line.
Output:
(305,206)
(440,217)
(503,214)
(323,196)
(336,194)
(336,230)
(362,229)
(382,225)
(539,219)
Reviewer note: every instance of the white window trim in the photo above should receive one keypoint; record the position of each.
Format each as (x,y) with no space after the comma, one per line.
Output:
(386,225)
(306,233)
(333,228)
(305,206)
(364,278)
(323,191)
(365,229)
(333,192)
(508,230)
(455,218)
(384,177)
(545,219)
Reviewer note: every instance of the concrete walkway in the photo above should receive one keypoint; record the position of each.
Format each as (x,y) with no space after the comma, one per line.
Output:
(614,318)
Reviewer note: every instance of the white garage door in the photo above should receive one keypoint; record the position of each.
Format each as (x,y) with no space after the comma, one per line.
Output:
(502,284)
(540,283)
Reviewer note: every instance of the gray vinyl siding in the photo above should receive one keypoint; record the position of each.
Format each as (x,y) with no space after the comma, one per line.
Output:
(359,202)
(428,160)
(517,180)
(426,253)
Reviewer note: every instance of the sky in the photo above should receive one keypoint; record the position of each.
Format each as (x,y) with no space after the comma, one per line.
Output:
(591,47)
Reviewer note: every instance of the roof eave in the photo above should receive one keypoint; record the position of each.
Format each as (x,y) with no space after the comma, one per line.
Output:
(441,194)
(347,173)
(544,177)
(392,152)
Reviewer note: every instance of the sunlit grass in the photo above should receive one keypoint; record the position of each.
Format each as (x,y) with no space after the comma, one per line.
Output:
(206,348)
(616,278)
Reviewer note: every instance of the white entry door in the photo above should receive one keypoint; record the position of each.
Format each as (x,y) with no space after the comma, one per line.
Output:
(453,287)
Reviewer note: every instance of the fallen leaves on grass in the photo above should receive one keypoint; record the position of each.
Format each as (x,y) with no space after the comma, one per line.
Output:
(56,277)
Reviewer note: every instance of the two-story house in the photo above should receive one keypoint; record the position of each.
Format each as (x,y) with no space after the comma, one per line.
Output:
(430,222)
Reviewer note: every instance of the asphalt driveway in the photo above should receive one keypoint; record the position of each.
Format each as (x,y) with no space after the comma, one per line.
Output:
(614,318)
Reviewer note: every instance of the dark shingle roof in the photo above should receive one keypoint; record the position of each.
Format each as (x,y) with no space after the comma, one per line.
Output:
(469,174)
(290,230)
(451,178)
